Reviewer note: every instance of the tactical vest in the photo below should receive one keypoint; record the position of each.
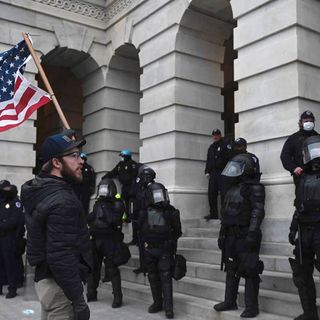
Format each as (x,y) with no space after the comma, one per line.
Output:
(156,223)
(308,196)
(107,214)
(236,209)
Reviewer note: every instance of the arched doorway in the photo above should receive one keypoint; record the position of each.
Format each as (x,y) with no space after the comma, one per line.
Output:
(123,114)
(206,33)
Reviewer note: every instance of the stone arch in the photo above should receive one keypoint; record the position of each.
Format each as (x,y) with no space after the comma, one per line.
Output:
(204,46)
(116,124)
(67,70)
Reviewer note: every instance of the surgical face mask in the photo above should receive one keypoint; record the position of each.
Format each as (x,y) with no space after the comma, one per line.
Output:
(308,126)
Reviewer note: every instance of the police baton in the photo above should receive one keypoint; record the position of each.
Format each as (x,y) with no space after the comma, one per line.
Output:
(299,244)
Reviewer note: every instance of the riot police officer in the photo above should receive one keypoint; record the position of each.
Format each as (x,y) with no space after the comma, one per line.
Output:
(105,223)
(126,171)
(146,175)
(306,221)
(85,189)
(217,158)
(240,234)
(291,154)
(160,227)
(10,220)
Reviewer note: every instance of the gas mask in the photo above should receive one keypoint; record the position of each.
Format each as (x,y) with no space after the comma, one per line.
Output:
(308,126)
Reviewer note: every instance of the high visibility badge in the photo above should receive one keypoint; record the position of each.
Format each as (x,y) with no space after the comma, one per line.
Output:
(7,206)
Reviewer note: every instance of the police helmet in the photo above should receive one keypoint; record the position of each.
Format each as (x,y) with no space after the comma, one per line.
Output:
(107,188)
(83,156)
(311,149)
(157,194)
(146,174)
(126,153)
(242,165)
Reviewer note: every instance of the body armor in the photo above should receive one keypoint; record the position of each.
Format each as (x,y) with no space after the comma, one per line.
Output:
(236,210)
(308,198)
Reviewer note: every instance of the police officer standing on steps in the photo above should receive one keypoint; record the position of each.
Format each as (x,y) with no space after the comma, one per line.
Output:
(126,171)
(306,222)
(291,154)
(105,222)
(146,175)
(85,189)
(160,227)
(240,234)
(217,158)
(10,219)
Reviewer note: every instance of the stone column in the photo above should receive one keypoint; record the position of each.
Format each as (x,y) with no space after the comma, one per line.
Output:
(278,75)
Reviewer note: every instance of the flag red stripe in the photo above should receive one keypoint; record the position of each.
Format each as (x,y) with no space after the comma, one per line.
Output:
(29,112)
(27,95)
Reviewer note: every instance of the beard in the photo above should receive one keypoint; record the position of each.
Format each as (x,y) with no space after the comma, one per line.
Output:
(69,175)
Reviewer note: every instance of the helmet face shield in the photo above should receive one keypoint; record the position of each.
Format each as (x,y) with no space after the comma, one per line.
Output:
(160,195)
(104,190)
(233,169)
(311,152)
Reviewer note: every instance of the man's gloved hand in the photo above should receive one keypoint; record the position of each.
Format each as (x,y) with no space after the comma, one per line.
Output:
(292,236)
(252,240)
(81,309)
(221,242)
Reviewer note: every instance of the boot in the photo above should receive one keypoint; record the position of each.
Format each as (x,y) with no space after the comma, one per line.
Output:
(117,292)
(230,297)
(303,280)
(11,294)
(251,293)
(155,286)
(166,282)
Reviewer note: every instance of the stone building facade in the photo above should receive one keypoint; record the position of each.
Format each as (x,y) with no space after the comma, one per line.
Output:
(156,76)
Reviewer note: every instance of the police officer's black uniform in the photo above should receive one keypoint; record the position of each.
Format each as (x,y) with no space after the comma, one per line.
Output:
(146,175)
(307,218)
(105,222)
(291,154)
(10,219)
(160,229)
(126,172)
(240,234)
(86,188)
(217,157)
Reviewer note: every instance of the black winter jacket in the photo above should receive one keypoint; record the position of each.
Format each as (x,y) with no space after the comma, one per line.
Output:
(217,156)
(57,234)
(291,154)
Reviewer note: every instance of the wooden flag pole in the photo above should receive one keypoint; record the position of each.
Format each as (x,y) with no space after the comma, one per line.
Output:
(45,81)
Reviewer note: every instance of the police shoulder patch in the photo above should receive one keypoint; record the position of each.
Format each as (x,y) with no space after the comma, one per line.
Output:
(18,204)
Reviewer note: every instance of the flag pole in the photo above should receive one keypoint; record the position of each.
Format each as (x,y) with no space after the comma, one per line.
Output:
(45,81)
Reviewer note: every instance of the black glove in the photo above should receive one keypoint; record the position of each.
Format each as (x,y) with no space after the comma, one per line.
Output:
(292,236)
(221,242)
(252,240)
(81,309)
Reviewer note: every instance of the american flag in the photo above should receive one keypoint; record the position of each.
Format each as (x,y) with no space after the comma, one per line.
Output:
(18,97)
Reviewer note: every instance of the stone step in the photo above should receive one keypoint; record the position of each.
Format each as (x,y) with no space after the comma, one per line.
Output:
(272,248)
(201,233)
(269,300)
(198,308)
(271,262)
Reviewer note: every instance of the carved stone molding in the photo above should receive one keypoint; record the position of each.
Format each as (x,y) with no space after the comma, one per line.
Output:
(90,10)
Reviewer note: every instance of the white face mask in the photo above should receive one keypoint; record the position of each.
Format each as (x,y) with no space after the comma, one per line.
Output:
(308,126)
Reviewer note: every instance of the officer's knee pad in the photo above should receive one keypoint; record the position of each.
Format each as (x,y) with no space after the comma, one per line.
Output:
(113,271)
(165,276)
(164,264)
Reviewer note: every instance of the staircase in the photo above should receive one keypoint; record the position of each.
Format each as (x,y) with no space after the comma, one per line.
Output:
(203,286)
